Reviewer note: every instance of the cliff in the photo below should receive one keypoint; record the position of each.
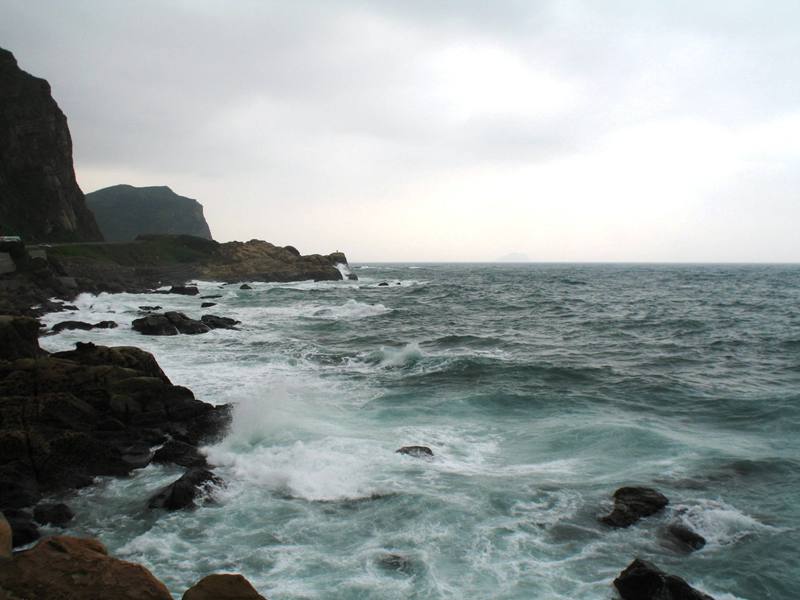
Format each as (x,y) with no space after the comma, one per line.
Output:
(123,212)
(39,197)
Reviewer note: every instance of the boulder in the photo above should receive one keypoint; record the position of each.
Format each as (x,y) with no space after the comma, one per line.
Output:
(417,451)
(53,514)
(207,304)
(642,580)
(383,284)
(105,325)
(183,492)
(128,357)
(5,538)
(23,529)
(215,322)
(154,325)
(184,290)
(180,453)
(68,568)
(186,325)
(244,286)
(71,325)
(211,297)
(632,504)
(147,308)
(684,537)
(19,338)
(222,587)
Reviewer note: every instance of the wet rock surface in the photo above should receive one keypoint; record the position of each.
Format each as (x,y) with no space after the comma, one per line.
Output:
(417,451)
(222,587)
(183,493)
(632,504)
(58,514)
(642,580)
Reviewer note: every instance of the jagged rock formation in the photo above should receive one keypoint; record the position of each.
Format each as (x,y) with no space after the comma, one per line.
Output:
(124,212)
(39,197)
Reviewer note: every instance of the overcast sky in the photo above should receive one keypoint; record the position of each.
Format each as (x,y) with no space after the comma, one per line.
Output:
(640,130)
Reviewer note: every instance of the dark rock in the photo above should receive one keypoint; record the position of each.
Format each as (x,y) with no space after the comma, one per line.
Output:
(183,492)
(292,250)
(215,322)
(352,277)
(417,451)
(223,586)
(19,336)
(105,325)
(244,286)
(71,325)
(67,568)
(211,297)
(128,357)
(53,514)
(632,504)
(186,325)
(208,304)
(382,284)
(684,537)
(154,325)
(184,290)
(23,529)
(396,562)
(39,196)
(642,580)
(6,543)
(123,212)
(149,308)
(180,453)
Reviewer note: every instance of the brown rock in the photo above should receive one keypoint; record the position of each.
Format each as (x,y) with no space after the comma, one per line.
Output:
(222,587)
(5,538)
(68,568)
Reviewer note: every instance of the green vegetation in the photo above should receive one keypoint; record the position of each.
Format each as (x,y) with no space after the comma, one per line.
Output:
(147,251)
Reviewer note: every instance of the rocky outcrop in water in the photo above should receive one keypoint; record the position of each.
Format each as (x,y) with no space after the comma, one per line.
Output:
(70,416)
(222,587)
(632,504)
(416,451)
(642,580)
(124,212)
(183,492)
(39,196)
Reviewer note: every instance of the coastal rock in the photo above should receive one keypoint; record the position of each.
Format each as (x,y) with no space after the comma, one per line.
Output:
(82,325)
(215,322)
(23,529)
(383,284)
(211,297)
(154,325)
(180,453)
(632,504)
(184,290)
(207,304)
(396,562)
(53,514)
(186,325)
(149,308)
(222,586)
(19,338)
(642,580)
(416,451)
(128,357)
(245,286)
(68,568)
(5,538)
(123,212)
(39,196)
(183,492)
(684,537)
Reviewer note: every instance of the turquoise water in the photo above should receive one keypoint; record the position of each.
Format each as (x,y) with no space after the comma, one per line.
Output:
(540,389)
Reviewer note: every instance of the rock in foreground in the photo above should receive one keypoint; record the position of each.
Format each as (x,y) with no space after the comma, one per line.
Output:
(222,587)
(68,568)
(632,504)
(642,580)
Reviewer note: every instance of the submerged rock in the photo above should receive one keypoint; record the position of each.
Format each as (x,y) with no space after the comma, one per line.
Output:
(184,290)
(417,451)
(222,587)
(68,568)
(149,308)
(684,537)
(183,492)
(211,297)
(53,514)
(396,562)
(642,580)
(632,504)
(215,322)
(207,304)
(383,284)
(244,286)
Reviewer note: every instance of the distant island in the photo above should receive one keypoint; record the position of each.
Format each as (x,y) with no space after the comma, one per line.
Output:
(124,212)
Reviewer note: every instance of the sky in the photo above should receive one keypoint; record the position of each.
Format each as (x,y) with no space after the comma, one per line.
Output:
(424,130)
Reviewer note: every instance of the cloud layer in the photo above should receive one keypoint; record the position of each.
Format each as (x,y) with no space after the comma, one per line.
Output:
(567,130)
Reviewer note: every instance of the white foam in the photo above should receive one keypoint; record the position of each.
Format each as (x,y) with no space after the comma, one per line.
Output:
(721,524)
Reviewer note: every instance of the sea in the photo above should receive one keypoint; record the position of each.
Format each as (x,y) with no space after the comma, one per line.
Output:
(540,389)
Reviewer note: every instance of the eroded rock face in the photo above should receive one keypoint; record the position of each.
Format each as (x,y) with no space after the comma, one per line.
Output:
(69,568)
(39,197)
(222,587)
(19,338)
(642,580)
(632,504)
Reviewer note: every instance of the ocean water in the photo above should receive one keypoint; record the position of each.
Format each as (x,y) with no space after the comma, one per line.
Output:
(540,388)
